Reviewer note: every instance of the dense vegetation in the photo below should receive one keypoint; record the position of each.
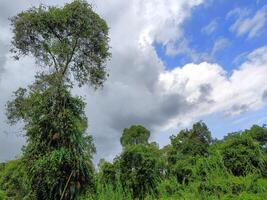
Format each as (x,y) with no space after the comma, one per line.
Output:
(71,45)
(192,166)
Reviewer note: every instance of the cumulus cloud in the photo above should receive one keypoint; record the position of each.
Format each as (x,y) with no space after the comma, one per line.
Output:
(232,94)
(248,25)
(131,95)
(140,89)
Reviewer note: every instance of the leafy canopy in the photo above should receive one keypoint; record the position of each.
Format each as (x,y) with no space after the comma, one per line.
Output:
(194,141)
(136,134)
(72,39)
(242,154)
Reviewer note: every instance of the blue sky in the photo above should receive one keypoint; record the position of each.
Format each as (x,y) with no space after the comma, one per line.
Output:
(221,125)
(216,13)
(212,23)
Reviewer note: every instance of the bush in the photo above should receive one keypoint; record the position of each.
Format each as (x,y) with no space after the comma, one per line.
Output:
(242,155)
(14,182)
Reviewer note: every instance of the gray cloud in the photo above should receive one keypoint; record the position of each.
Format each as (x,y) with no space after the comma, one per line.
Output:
(264,96)
(9,8)
(2,59)
(205,94)
(11,141)
(133,93)
(151,115)
(130,96)
(14,76)
(237,109)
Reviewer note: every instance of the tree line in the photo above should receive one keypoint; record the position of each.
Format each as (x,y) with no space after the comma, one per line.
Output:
(70,46)
(192,166)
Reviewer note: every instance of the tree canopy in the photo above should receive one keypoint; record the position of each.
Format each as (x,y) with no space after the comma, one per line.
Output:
(135,134)
(70,40)
(194,141)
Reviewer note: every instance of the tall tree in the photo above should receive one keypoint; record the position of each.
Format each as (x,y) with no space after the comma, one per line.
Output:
(184,149)
(140,162)
(139,169)
(194,141)
(136,134)
(72,41)
(58,152)
(258,133)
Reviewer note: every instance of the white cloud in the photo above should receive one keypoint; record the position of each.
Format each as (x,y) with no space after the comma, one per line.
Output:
(219,44)
(139,89)
(232,94)
(130,94)
(245,24)
(210,28)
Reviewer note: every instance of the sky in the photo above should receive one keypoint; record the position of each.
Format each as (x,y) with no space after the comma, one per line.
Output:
(173,63)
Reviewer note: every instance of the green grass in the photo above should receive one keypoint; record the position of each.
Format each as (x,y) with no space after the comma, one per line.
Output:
(250,187)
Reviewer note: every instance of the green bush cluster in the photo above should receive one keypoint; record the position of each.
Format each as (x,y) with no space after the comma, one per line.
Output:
(231,168)
(193,166)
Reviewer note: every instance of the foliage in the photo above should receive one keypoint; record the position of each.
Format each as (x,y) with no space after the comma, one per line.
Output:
(14,182)
(258,133)
(141,172)
(242,155)
(194,141)
(107,173)
(139,169)
(2,195)
(184,150)
(136,134)
(73,42)
(57,148)
(72,39)
(193,166)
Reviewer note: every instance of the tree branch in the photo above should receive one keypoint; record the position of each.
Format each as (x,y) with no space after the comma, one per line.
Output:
(54,59)
(71,56)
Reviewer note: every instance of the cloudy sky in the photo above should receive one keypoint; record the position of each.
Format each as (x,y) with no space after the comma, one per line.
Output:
(173,62)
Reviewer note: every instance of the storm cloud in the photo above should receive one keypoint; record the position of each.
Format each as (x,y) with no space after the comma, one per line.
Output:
(140,90)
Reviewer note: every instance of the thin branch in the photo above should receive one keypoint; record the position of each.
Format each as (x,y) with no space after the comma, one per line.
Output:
(71,56)
(55,33)
(54,59)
